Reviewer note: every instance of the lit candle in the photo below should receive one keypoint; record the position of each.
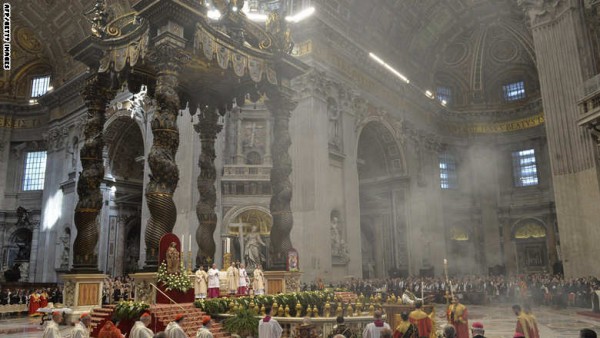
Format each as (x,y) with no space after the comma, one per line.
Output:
(228,244)
(422,290)
(190,243)
(445,261)
(182,241)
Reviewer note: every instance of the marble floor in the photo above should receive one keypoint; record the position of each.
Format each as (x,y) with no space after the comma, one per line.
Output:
(498,320)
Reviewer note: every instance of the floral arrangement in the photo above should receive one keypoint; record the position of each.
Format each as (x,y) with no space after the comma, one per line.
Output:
(130,309)
(177,281)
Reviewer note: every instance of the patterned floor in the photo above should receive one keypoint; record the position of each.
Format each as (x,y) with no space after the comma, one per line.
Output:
(499,322)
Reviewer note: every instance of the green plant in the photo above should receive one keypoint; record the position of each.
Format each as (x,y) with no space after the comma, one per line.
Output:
(243,323)
(129,310)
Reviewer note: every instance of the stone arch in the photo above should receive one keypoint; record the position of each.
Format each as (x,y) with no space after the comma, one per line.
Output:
(381,174)
(250,215)
(529,236)
(232,215)
(125,144)
(528,228)
(381,130)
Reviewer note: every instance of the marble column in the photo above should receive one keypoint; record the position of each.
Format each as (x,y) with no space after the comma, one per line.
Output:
(208,128)
(564,62)
(280,105)
(96,95)
(268,159)
(168,57)
(35,239)
(239,153)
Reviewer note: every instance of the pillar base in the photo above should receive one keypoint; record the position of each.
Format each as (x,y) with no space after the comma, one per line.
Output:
(144,292)
(282,282)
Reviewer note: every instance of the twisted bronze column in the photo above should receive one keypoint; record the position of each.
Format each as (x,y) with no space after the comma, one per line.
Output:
(164,176)
(280,105)
(208,128)
(96,94)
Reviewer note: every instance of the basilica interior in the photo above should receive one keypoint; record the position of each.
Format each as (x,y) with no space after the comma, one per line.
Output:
(374,138)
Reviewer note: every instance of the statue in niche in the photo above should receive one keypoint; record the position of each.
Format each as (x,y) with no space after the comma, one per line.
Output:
(253,248)
(65,241)
(339,248)
(334,130)
(172,259)
(23,216)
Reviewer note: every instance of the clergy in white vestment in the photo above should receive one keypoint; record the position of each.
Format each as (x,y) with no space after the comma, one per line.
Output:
(243,283)
(201,283)
(232,279)
(140,328)
(204,330)
(82,329)
(373,330)
(213,282)
(174,329)
(269,327)
(52,330)
(259,281)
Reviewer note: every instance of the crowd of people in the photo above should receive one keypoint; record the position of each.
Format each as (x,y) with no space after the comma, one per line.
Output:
(116,289)
(538,289)
(534,289)
(34,299)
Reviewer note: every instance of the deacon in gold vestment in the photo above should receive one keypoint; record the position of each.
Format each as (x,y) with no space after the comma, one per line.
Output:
(421,320)
(458,316)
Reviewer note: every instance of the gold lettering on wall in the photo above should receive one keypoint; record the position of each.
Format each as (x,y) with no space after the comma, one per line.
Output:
(498,127)
(9,123)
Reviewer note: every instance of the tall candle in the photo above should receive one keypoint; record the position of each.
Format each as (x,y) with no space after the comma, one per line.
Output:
(190,243)
(422,291)
(182,241)
(445,261)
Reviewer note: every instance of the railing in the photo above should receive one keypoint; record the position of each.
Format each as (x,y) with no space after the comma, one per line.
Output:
(246,172)
(164,294)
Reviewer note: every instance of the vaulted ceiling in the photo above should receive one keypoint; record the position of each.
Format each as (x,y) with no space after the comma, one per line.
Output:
(471,46)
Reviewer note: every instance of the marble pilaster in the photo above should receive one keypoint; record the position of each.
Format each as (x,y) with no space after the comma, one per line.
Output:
(564,63)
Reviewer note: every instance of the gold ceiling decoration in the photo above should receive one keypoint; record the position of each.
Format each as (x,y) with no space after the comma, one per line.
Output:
(458,233)
(498,127)
(530,230)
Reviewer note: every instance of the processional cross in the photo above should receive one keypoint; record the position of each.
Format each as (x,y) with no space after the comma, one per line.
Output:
(240,227)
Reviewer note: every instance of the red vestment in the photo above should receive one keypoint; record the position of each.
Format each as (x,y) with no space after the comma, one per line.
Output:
(422,321)
(109,330)
(44,300)
(34,303)
(458,316)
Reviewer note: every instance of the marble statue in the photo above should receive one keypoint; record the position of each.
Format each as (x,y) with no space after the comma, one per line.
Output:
(65,242)
(335,137)
(339,248)
(253,248)
(172,259)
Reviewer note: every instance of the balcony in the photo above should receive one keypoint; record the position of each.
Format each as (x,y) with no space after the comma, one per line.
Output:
(232,172)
